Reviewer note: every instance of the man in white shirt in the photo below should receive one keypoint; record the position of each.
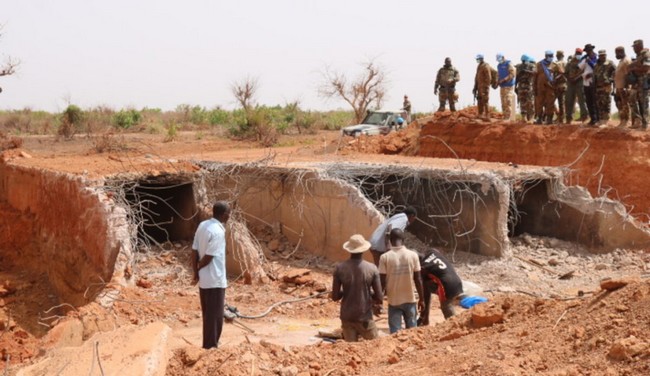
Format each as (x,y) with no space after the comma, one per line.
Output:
(379,238)
(209,266)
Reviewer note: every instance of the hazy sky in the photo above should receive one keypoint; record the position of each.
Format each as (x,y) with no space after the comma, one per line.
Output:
(164,53)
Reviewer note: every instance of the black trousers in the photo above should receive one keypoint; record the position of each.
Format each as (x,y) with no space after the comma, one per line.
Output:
(592,104)
(212,308)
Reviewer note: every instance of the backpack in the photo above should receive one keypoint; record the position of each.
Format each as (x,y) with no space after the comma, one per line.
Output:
(494,82)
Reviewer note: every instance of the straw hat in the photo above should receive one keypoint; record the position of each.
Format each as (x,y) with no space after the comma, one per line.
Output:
(356,244)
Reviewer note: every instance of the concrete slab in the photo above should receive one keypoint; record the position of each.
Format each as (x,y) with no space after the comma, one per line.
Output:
(129,350)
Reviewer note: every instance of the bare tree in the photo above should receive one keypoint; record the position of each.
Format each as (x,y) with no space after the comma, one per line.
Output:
(368,87)
(10,65)
(244,92)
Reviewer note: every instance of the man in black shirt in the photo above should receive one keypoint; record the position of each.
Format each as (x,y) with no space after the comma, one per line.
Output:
(439,276)
(357,283)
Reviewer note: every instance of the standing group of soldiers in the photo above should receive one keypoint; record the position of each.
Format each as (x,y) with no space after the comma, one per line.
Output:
(587,77)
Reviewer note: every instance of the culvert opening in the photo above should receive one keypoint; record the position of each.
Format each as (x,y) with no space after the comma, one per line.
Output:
(535,213)
(455,215)
(166,209)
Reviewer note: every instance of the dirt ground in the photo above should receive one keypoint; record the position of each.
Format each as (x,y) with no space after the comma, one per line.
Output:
(534,323)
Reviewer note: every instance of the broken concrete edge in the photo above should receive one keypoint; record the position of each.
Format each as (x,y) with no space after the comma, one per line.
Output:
(70,228)
(616,227)
(127,350)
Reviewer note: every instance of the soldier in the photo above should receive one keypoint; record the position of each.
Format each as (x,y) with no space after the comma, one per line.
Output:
(481,89)
(406,106)
(560,85)
(604,79)
(524,87)
(621,93)
(506,74)
(586,66)
(640,74)
(574,91)
(544,88)
(446,84)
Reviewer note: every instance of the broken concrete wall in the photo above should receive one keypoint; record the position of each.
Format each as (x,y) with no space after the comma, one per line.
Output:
(64,229)
(457,210)
(605,224)
(318,212)
(549,208)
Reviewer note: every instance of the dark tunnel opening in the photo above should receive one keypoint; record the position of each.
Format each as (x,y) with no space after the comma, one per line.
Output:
(451,214)
(167,210)
(535,213)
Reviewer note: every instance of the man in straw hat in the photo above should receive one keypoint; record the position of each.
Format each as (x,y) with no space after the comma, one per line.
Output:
(356,283)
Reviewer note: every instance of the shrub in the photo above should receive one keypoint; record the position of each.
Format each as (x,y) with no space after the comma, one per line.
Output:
(125,119)
(70,121)
(172,132)
(334,120)
(219,117)
(198,115)
(108,143)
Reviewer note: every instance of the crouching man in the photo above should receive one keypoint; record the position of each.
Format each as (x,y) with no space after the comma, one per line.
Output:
(439,276)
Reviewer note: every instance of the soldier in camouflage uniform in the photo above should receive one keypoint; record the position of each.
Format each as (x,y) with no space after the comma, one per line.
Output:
(445,85)
(406,106)
(481,90)
(544,88)
(575,90)
(560,85)
(524,87)
(639,74)
(604,79)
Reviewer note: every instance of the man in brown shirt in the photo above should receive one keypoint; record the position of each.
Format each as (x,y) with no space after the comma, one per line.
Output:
(481,89)
(357,283)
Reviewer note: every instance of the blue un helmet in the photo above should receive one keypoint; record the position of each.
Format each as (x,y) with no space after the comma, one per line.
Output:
(500,57)
(400,120)
(479,58)
(548,55)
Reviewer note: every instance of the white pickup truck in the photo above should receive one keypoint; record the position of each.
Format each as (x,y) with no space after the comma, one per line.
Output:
(377,122)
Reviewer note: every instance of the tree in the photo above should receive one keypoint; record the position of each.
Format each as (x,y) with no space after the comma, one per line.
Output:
(10,65)
(360,93)
(244,92)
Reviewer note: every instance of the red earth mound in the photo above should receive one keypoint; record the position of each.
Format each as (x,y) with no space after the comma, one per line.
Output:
(608,161)
(605,334)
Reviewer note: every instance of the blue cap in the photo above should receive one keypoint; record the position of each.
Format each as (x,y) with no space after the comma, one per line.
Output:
(479,56)
(499,56)
(549,53)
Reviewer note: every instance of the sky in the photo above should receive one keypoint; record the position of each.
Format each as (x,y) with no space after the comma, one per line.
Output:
(163,53)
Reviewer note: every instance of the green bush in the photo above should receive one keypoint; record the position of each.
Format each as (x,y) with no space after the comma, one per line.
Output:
(335,120)
(219,117)
(71,120)
(198,115)
(172,132)
(125,119)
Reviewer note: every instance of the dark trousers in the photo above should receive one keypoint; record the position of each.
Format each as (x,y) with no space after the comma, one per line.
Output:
(592,104)
(212,308)
(575,92)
